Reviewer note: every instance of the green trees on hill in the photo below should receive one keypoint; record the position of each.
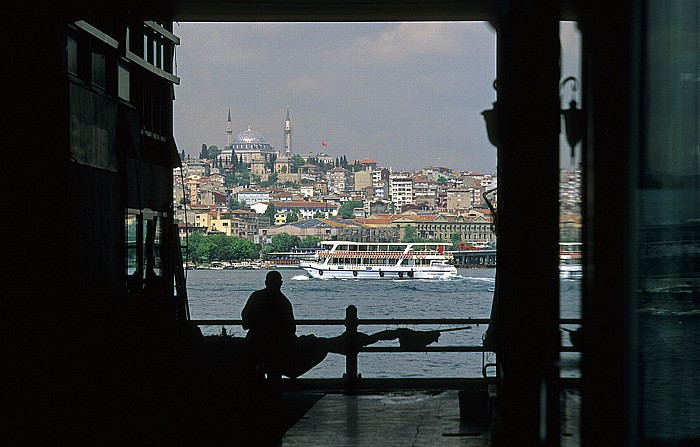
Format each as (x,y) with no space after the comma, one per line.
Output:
(346,209)
(204,248)
(455,239)
(410,234)
(270,212)
(293,216)
(310,241)
(209,152)
(284,242)
(204,153)
(234,204)
(219,247)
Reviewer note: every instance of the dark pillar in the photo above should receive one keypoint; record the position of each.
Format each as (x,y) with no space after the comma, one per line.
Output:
(528,178)
(37,299)
(351,323)
(610,56)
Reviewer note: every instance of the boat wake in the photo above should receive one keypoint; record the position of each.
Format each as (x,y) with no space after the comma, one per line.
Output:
(300,278)
(669,312)
(475,279)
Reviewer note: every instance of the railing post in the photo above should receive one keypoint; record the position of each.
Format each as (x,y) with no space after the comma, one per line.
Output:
(351,323)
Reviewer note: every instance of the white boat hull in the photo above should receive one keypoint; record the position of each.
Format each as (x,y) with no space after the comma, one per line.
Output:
(320,271)
(571,272)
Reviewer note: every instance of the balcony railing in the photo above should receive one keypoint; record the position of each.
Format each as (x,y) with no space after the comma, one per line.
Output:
(352,380)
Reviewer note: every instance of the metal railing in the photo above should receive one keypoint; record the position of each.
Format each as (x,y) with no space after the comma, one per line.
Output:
(352,380)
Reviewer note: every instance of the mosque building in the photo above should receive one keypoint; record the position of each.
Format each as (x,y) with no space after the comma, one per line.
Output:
(251,146)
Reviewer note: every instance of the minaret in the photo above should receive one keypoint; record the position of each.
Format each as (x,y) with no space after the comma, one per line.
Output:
(229,129)
(287,135)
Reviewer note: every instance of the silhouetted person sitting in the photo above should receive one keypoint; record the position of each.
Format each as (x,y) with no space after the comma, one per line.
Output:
(269,318)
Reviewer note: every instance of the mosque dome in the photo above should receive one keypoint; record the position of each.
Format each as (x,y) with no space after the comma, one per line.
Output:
(249,136)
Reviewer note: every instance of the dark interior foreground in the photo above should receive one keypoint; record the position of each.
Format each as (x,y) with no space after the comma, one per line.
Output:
(88,361)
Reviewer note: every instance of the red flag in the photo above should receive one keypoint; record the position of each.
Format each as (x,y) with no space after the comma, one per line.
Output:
(323,143)
(440,249)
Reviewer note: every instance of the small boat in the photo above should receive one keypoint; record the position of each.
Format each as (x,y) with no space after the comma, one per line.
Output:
(361,260)
(217,265)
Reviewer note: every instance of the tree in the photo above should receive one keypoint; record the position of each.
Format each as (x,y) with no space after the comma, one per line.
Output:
(270,212)
(347,209)
(234,204)
(319,215)
(198,247)
(214,152)
(271,180)
(204,154)
(293,216)
(243,177)
(310,242)
(296,161)
(283,242)
(455,238)
(245,249)
(293,185)
(219,249)
(410,234)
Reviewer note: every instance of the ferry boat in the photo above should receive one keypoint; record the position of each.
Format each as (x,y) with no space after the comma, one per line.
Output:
(570,260)
(361,260)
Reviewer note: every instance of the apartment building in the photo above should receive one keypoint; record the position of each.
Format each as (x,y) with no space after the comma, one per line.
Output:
(401,190)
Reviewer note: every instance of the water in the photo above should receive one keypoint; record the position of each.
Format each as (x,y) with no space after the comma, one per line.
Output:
(221,294)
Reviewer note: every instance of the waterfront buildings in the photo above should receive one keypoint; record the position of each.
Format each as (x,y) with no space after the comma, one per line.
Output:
(440,204)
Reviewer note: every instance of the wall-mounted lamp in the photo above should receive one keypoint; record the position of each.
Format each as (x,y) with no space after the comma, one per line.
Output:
(491,118)
(573,119)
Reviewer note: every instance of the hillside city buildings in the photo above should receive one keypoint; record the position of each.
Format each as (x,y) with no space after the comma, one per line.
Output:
(230,192)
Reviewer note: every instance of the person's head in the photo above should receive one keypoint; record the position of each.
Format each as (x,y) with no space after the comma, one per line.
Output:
(273,279)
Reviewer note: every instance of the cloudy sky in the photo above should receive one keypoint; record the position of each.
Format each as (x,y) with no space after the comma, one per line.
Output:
(408,95)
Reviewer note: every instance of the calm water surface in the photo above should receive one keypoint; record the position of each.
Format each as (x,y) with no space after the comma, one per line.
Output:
(221,294)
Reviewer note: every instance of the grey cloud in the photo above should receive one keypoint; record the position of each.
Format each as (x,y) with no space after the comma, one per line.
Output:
(405,95)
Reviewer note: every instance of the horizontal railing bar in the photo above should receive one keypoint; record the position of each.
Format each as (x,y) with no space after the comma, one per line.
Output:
(217,322)
(352,378)
(367,321)
(372,321)
(569,349)
(337,385)
(425,349)
(443,349)
(570,321)
(390,321)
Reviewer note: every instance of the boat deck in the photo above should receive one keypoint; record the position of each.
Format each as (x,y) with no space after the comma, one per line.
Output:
(403,418)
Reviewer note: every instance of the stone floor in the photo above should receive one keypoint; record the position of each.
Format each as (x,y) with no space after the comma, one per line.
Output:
(411,418)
